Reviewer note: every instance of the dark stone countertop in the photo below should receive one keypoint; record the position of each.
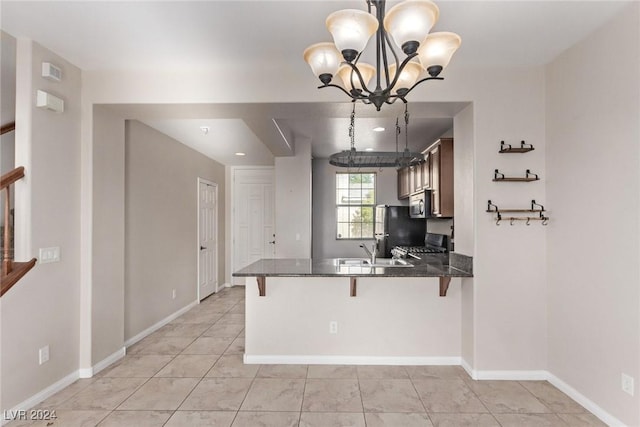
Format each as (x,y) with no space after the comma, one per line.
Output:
(452,265)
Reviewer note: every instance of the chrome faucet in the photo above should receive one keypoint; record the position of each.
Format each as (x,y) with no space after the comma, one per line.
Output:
(371,253)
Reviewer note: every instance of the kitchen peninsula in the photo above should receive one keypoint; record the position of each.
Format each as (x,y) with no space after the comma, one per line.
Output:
(346,311)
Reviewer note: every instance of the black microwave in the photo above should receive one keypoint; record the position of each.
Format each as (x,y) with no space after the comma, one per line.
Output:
(420,204)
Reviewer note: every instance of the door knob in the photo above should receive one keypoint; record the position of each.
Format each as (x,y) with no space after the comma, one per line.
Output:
(273,243)
(202,248)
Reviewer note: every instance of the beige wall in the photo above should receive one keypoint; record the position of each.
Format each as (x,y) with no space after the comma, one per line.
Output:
(107,252)
(593,187)
(293,202)
(43,307)
(398,318)
(464,170)
(7,107)
(161,225)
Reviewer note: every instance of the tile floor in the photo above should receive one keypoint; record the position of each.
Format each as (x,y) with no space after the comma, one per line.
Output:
(190,373)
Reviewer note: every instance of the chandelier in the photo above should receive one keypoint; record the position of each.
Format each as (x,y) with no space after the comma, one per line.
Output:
(408,23)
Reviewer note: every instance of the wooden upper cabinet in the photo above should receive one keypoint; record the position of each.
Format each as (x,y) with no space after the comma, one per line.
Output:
(426,172)
(435,180)
(404,183)
(415,174)
(435,173)
(441,154)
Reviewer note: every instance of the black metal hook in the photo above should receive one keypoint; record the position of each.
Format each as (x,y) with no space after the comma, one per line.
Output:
(528,172)
(534,204)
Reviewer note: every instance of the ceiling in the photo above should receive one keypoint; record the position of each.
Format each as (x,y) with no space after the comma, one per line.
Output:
(136,35)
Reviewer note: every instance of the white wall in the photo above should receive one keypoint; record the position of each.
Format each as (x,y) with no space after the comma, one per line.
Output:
(293,202)
(161,225)
(593,188)
(325,244)
(43,307)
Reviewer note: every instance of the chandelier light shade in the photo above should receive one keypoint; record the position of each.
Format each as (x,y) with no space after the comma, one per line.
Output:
(351,30)
(324,60)
(350,78)
(437,49)
(408,77)
(409,24)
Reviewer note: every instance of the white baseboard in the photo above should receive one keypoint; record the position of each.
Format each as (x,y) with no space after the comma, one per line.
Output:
(588,404)
(90,372)
(230,285)
(347,360)
(151,329)
(40,396)
(467,367)
(510,375)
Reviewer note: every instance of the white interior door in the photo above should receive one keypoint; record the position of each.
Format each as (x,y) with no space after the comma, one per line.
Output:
(253,214)
(207,238)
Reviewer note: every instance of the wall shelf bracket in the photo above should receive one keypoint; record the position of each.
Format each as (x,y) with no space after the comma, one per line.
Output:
(528,177)
(507,148)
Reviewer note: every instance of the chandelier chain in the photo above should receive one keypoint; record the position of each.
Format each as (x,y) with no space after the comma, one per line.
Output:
(352,128)
(406,127)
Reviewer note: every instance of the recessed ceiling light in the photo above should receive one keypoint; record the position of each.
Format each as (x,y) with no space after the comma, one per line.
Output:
(378,129)
(368,149)
(204,129)
(240,154)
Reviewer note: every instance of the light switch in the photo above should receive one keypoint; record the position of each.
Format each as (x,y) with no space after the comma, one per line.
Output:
(47,255)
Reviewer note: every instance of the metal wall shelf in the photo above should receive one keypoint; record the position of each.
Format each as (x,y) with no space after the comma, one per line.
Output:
(499,177)
(535,208)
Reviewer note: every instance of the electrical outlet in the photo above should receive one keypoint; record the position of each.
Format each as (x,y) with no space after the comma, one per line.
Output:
(173,294)
(43,354)
(333,327)
(627,384)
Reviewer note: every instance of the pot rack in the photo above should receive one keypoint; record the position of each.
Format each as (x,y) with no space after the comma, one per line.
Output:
(353,158)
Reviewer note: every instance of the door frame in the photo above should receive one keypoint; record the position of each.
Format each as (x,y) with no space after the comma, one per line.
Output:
(217,235)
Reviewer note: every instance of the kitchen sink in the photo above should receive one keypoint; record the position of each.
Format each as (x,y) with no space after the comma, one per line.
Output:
(352,262)
(364,262)
(389,262)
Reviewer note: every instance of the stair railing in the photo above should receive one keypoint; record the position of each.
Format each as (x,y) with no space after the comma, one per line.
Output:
(11,271)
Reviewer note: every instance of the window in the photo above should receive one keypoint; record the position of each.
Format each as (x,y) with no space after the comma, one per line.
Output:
(355,202)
